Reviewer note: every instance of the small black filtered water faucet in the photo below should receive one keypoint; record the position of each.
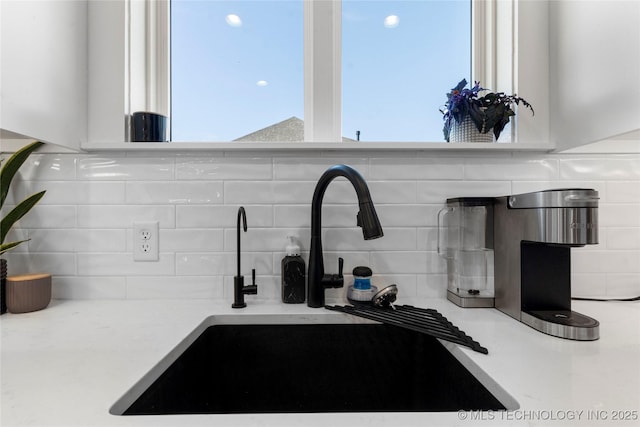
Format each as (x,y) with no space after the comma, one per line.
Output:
(239,289)
(367,218)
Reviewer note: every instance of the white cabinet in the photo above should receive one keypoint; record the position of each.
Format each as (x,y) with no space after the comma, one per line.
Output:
(594,72)
(63,71)
(43,80)
(107,65)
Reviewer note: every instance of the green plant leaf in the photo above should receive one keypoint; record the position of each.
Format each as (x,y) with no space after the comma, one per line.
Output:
(18,212)
(11,166)
(477,116)
(5,247)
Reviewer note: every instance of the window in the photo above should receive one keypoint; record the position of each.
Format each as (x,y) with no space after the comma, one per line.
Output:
(316,70)
(237,68)
(399,58)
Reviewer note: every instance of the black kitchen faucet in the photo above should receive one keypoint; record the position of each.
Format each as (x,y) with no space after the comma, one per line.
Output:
(239,289)
(366,218)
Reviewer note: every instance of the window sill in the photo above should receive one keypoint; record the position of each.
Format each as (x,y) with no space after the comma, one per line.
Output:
(311,146)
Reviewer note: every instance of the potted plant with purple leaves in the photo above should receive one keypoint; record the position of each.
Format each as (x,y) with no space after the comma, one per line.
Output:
(9,169)
(470,117)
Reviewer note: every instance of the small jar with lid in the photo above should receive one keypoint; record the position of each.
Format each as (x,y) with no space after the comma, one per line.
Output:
(361,291)
(362,278)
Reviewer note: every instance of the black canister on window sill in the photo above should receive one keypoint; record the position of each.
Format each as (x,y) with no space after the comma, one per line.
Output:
(148,127)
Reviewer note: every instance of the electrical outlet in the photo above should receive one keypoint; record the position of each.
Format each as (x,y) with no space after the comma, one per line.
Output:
(145,241)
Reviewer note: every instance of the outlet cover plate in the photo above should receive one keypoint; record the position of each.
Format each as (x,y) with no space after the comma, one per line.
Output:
(146,241)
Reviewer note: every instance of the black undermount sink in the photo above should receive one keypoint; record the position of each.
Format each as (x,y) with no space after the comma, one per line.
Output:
(271,365)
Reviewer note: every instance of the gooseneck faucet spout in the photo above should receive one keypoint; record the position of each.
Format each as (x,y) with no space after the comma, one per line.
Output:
(367,218)
(239,289)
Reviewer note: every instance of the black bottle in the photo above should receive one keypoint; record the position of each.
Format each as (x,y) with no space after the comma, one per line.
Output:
(293,275)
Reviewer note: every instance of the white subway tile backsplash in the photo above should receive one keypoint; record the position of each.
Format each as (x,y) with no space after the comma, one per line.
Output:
(126,168)
(262,192)
(619,215)
(299,216)
(622,238)
(123,216)
(174,287)
(98,192)
(49,167)
(407,262)
(588,285)
(78,287)
(222,216)
(50,216)
(427,239)
(518,168)
(408,215)
(69,192)
(622,192)
(122,264)
(432,285)
(201,264)
(400,192)
(174,192)
(616,261)
(332,216)
(207,168)
(621,167)
(223,263)
(263,239)
(417,168)
(622,285)
(81,231)
(196,239)
(77,240)
(312,168)
(55,263)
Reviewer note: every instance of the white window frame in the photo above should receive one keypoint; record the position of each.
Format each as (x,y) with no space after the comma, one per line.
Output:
(322,70)
(495,44)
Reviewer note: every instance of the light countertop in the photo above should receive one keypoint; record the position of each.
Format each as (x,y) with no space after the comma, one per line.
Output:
(66,365)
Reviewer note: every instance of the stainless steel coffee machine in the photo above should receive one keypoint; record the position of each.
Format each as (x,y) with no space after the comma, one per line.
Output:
(533,237)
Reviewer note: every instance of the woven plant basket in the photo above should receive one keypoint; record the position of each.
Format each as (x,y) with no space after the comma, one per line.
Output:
(468,132)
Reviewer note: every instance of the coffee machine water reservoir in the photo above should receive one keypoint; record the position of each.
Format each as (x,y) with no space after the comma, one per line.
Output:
(465,241)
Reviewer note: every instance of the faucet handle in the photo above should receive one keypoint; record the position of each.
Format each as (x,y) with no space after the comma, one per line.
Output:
(334,280)
(252,289)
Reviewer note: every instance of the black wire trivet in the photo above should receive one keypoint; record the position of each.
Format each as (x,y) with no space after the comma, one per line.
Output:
(425,320)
